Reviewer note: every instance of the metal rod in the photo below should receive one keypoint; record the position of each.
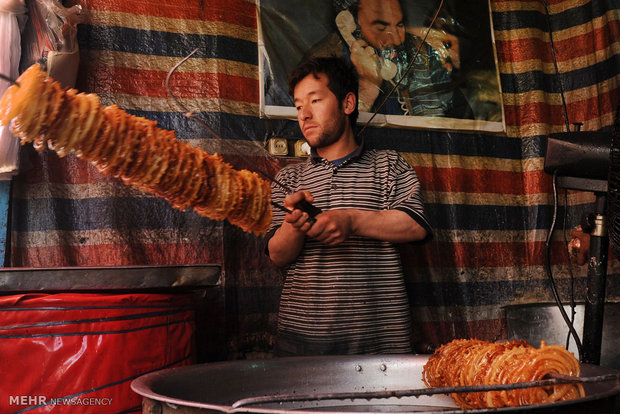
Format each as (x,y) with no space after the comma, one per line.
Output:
(8,79)
(280,207)
(595,286)
(554,379)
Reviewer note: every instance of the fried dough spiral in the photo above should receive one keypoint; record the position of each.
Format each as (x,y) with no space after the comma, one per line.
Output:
(135,150)
(465,362)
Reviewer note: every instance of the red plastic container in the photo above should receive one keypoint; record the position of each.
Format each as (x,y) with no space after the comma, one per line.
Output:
(79,352)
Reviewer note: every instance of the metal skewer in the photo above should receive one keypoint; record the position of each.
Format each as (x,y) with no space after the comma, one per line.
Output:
(191,115)
(552,379)
(8,79)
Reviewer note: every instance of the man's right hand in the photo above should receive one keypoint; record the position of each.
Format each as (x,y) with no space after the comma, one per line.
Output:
(368,68)
(288,240)
(297,218)
(366,62)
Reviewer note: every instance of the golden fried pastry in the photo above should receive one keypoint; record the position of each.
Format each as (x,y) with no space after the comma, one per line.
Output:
(135,150)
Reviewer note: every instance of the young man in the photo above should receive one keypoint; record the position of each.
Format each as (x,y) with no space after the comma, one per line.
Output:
(344,291)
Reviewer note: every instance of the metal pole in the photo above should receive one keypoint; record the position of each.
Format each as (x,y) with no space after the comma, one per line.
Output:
(595,289)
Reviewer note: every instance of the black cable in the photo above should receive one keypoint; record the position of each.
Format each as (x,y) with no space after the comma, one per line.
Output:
(570,268)
(555,65)
(569,322)
(549,272)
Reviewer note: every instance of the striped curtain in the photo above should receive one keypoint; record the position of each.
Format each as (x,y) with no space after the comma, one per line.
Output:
(488,197)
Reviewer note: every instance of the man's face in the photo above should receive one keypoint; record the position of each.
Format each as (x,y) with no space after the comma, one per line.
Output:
(381,23)
(320,115)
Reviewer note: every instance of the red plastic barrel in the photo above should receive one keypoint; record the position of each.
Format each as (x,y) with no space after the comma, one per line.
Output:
(79,352)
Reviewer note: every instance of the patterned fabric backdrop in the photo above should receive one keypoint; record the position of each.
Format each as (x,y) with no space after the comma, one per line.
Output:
(488,197)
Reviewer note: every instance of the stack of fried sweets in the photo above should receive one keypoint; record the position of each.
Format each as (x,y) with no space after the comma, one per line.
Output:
(466,362)
(133,149)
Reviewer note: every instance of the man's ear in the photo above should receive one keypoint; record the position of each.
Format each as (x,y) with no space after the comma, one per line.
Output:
(350,102)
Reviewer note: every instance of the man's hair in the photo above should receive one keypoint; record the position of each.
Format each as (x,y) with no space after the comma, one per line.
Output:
(342,78)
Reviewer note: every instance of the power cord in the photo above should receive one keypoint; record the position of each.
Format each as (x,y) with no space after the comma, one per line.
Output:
(555,65)
(548,270)
(569,322)
(570,269)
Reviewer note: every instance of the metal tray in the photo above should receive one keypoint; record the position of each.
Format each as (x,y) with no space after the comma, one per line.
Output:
(215,387)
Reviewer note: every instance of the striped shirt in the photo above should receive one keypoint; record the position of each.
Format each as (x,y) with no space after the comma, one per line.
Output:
(349,298)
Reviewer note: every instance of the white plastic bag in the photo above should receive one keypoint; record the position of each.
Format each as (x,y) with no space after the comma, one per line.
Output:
(12,19)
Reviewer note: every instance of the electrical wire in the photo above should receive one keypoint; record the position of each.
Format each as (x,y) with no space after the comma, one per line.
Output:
(569,322)
(549,272)
(555,65)
(570,269)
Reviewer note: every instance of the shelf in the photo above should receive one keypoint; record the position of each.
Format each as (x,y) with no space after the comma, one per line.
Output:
(109,278)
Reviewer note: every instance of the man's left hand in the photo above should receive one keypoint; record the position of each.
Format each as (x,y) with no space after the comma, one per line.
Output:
(332,227)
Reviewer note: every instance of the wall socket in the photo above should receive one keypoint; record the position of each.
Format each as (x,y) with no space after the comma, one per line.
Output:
(299,152)
(278,146)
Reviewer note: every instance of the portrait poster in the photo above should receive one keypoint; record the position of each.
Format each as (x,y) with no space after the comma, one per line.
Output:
(436,70)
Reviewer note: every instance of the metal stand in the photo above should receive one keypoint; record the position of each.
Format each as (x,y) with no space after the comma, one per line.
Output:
(595,289)
(597,269)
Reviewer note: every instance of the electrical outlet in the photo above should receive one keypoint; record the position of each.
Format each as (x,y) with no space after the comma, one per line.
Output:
(299,150)
(278,146)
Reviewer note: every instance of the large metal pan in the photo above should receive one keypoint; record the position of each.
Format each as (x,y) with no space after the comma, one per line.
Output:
(215,387)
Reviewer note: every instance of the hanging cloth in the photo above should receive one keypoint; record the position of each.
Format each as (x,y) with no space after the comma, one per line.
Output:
(12,20)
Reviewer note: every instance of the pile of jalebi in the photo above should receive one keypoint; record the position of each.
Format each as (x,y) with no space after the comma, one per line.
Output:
(465,362)
(135,150)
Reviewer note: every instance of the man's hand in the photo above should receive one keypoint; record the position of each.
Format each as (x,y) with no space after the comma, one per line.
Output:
(288,240)
(332,227)
(368,68)
(366,62)
(298,219)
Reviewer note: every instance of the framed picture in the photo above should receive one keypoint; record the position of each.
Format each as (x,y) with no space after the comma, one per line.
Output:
(419,66)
